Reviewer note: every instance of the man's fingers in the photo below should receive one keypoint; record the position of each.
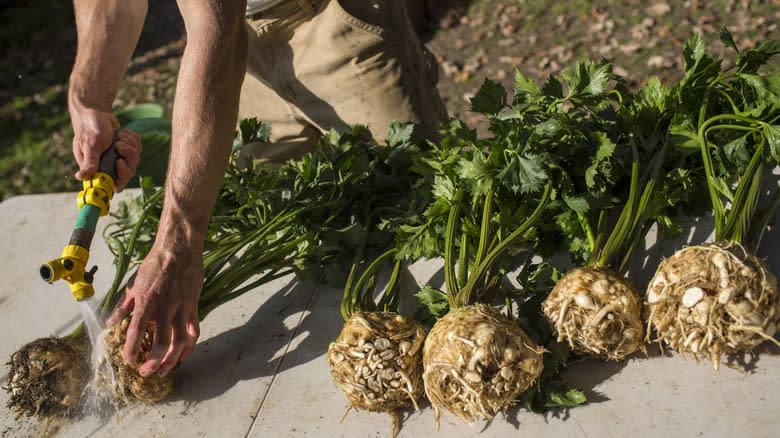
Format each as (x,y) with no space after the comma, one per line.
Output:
(128,146)
(123,175)
(88,158)
(177,346)
(193,333)
(135,334)
(78,153)
(128,151)
(162,340)
(130,137)
(88,148)
(121,311)
(114,122)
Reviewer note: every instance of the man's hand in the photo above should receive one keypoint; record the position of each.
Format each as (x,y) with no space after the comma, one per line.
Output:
(94,131)
(163,293)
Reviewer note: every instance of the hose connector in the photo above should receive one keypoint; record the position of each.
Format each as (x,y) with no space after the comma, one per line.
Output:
(97,191)
(71,267)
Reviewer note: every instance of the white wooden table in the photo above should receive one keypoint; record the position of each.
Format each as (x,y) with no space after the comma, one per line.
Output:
(259,369)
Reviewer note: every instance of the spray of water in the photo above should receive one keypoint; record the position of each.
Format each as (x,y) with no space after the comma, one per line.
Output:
(99,393)
(95,329)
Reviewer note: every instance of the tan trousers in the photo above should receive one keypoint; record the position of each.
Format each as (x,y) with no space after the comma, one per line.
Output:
(316,65)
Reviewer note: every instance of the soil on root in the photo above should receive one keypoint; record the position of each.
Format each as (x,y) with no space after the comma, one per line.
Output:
(597,312)
(712,300)
(47,377)
(477,362)
(124,379)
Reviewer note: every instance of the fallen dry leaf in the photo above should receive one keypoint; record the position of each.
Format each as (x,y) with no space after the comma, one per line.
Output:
(658,61)
(658,9)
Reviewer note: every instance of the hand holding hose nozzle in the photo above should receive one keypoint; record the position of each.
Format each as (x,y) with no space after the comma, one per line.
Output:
(93,201)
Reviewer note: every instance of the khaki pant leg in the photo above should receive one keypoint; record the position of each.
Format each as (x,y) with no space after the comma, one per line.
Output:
(360,62)
(351,62)
(291,138)
(269,52)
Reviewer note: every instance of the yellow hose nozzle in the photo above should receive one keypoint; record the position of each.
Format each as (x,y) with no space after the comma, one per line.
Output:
(71,267)
(93,201)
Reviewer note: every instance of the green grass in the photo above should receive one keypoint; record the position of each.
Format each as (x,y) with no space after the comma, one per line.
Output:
(37,43)
(35,137)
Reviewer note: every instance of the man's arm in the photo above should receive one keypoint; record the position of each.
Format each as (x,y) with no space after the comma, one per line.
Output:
(166,287)
(108,32)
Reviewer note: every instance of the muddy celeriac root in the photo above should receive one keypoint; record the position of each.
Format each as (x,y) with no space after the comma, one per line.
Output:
(597,312)
(377,362)
(710,300)
(47,377)
(122,379)
(477,362)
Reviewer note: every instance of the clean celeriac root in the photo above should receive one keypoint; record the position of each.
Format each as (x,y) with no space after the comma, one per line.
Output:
(377,362)
(477,362)
(597,312)
(709,300)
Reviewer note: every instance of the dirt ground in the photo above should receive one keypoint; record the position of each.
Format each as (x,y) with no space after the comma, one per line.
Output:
(478,39)
(482,39)
(640,38)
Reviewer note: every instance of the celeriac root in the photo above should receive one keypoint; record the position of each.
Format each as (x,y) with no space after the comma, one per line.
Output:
(47,377)
(709,300)
(597,312)
(125,382)
(477,361)
(377,362)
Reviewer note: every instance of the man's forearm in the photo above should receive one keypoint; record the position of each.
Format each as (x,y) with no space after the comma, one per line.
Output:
(204,118)
(108,32)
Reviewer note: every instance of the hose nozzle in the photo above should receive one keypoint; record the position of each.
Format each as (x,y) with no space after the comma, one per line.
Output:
(55,269)
(71,268)
(93,201)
